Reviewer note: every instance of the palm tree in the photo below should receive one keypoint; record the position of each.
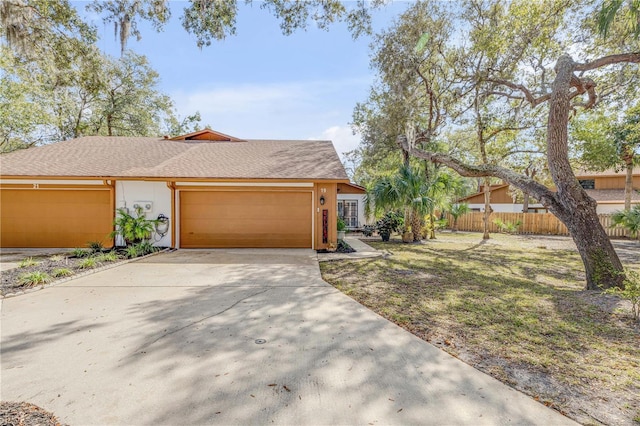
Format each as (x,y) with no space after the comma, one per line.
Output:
(629,219)
(457,210)
(628,12)
(406,190)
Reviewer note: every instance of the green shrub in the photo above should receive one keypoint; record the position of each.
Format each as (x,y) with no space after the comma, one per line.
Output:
(88,263)
(61,272)
(341,224)
(95,247)
(132,252)
(507,227)
(628,219)
(145,248)
(107,257)
(630,291)
(133,229)
(79,253)
(390,222)
(24,263)
(34,278)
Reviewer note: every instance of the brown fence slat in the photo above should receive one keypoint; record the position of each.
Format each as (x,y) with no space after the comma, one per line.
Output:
(531,223)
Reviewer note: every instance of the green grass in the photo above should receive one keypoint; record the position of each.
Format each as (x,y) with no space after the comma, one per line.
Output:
(523,306)
(34,278)
(25,263)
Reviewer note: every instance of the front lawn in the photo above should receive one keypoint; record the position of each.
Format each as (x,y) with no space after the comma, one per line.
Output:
(515,308)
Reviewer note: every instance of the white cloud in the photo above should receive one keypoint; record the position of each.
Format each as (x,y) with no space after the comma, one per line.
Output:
(343,139)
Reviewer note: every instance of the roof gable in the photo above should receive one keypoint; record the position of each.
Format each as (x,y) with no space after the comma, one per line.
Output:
(206,135)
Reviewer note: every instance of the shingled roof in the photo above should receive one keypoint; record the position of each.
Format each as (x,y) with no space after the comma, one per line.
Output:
(121,157)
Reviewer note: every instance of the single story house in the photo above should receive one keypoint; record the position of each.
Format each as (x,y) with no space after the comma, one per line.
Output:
(606,188)
(215,190)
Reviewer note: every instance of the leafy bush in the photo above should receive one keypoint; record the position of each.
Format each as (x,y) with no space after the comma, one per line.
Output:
(88,263)
(24,263)
(629,291)
(61,272)
(367,230)
(456,211)
(34,278)
(628,219)
(507,227)
(80,252)
(391,222)
(132,251)
(107,257)
(95,246)
(145,248)
(341,225)
(133,229)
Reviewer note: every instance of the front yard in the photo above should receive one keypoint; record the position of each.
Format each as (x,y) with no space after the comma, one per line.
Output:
(515,308)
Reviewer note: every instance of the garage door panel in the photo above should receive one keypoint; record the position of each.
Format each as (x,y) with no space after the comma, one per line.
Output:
(54,218)
(245,219)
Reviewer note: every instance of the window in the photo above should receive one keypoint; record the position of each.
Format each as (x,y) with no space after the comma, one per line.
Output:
(588,183)
(348,211)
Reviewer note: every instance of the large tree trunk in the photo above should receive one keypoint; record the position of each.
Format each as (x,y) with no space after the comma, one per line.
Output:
(416,226)
(602,265)
(575,208)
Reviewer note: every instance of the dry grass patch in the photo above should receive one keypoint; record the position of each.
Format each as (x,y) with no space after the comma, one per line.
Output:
(513,309)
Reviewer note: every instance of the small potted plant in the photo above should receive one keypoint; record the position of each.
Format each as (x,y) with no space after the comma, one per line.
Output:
(341,229)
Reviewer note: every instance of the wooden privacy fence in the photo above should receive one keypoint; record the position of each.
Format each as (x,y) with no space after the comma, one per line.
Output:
(531,223)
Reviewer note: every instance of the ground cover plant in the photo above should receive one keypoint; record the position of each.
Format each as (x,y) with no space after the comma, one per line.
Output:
(514,307)
(37,271)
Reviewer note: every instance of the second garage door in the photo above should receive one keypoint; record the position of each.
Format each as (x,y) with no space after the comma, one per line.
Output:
(245,219)
(54,218)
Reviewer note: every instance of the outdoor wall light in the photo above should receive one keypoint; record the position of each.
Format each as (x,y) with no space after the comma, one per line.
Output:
(322,200)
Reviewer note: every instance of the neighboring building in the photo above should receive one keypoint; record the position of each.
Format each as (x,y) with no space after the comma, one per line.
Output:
(606,188)
(216,190)
(351,205)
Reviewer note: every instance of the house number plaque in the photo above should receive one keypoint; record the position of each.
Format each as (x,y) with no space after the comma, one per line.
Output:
(325,226)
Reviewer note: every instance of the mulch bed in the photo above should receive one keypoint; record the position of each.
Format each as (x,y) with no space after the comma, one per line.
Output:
(25,414)
(10,278)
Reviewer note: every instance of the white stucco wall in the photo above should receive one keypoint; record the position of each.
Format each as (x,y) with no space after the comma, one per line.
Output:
(157,193)
(504,208)
(362,220)
(611,208)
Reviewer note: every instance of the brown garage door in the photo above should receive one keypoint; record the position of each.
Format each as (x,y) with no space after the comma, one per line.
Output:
(54,218)
(245,219)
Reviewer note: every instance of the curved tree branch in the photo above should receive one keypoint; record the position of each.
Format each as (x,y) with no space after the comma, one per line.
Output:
(522,182)
(608,60)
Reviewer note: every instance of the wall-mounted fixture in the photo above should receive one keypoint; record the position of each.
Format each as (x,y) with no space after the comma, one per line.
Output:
(146,206)
(322,200)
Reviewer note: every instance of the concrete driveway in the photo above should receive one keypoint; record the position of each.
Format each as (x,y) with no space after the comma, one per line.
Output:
(175,340)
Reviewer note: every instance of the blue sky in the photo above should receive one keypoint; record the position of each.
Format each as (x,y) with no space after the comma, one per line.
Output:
(260,83)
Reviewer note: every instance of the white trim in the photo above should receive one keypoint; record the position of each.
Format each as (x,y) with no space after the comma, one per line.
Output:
(257,184)
(52,182)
